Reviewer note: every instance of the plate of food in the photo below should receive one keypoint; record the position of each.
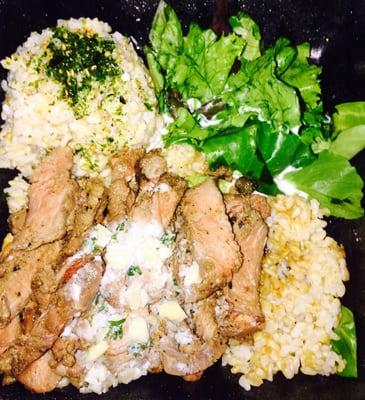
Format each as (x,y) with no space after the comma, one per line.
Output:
(182,200)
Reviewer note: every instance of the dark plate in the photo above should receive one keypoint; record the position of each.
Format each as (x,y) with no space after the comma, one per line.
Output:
(335,26)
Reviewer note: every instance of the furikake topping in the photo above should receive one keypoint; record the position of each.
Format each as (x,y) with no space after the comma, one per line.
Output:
(77,60)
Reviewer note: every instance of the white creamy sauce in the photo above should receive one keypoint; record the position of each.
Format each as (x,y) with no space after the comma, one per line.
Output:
(193,104)
(191,274)
(183,338)
(206,123)
(136,276)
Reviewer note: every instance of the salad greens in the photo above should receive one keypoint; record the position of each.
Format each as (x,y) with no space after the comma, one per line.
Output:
(257,110)
(346,345)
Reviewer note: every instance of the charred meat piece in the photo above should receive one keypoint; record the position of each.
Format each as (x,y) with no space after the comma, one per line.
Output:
(123,187)
(204,348)
(74,297)
(206,253)
(52,197)
(9,334)
(153,165)
(158,201)
(16,284)
(89,211)
(239,312)
(38,376)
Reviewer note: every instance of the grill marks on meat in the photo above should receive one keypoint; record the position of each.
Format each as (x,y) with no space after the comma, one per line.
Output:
(66,303)
(52,198)
(239,307)
(205,236)
(123,187)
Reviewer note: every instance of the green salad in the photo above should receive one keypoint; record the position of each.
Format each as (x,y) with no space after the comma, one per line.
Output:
(257,110)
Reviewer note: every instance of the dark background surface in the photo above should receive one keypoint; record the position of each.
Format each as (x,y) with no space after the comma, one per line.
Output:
(335,27)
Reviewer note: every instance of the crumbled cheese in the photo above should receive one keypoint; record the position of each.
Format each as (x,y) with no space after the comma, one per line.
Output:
(136,297)
(171,310)
(184,338)
(192,274)
(96,351)
(100,235)
(138,330)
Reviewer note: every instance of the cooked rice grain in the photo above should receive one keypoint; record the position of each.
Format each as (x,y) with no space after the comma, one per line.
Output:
(301,282)
(38,119)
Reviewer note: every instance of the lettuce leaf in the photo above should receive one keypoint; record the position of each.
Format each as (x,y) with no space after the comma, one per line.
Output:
(304,77)
(348,115)
(346,346)
(244,26)
(349,129)
(237,150)
(334,182)
(256,110)
(255,88)
(166,34)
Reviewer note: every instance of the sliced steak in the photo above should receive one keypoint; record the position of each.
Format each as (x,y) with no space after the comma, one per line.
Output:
(9,334)
(89,212)
(204,349)
(153,165)
(123,187)
(52,198)
(74,297)
(38,376)
(204,243)
(16,283)
(239,312)
(158,201)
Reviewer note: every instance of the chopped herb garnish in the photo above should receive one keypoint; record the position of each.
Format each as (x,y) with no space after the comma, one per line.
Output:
(174,281)
(121,227)
(6,194)
(136,348)
(97,249)
(100,304)
(167,238)
(115,330)
(77,60)
(114,236)
(134,270)
(148,106)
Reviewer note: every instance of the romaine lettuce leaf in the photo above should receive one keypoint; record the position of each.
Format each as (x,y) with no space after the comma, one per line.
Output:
(255,88)
(264,119)
(349,142)
(346,346)
(237,150)
(202,68)
(304,77)
(166,34)
(244,26)
(334,182)
(349,129)
(348,115)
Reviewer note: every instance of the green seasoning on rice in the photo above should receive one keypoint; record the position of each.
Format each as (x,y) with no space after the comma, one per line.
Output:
(78,60)
(301,282)
(81,85)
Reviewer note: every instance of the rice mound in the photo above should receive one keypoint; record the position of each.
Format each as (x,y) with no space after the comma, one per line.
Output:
(301,283)
(38,119)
